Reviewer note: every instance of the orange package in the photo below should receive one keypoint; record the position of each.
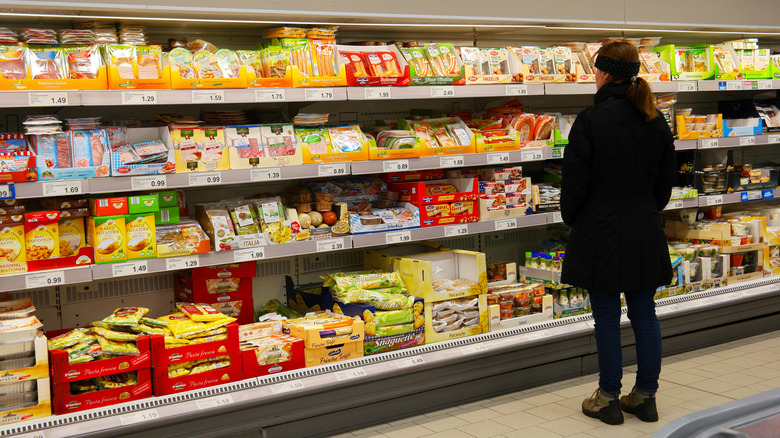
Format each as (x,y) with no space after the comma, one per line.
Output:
(440,189)
(357,62)
(383,64)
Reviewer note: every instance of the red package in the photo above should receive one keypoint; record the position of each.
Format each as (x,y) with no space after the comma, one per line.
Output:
(357,63)
(383,64)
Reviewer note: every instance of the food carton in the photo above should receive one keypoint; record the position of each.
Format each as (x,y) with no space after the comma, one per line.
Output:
(65,402)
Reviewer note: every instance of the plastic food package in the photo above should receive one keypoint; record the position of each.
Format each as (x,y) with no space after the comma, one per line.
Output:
(187,234)
(200,312)
(68,339)
(247,141)
(83,61)
(126,316)
(346,138)
(47,63)
(116,348)
(315,139)
(113,335)
(279,140)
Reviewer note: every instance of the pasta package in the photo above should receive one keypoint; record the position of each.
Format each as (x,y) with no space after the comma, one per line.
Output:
(126,316)
(115,348)
(200,312)
(364,280)
(68,339)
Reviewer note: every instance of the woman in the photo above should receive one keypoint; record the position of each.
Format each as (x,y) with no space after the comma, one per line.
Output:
(618,172)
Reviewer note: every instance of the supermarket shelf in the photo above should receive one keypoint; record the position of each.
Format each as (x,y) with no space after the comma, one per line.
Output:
(757,84)
(215,96)
(686,145)
(265,402)
(741,141)
(47,278)
(428,92)
(47,99)
(676,204)
(735,198)
(570,88)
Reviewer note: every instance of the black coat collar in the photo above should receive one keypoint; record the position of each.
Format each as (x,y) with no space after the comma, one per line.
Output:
(609,91)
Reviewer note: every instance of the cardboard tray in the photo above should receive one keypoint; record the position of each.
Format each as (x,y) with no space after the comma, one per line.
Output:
(62,372)
(65,403)
(163,385)
(252,369)
(169,356)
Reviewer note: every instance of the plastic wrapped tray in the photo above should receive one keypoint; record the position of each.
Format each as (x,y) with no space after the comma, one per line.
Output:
(15,364)
(17,350)
(18,388)
(18,401)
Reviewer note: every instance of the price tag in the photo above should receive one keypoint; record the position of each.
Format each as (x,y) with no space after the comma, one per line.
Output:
(456,230)
(129,268)
(208,96)
(754,195)
(447,91)
(398,237)
(270,95)
(708,143)
(674,308)
(378,93)
(48,99)
(395,165)
(452,161)
(733,85)
(352,373)
(213,402)
(38,434)
(747,141)
(62,188)
(539,335)
(149,182)
(768,194)
(139,97)
(205,178)
(775,138)
(338,169)
(765,84)
(731,296)
(675,205)
(701,302)
(139,417)
(292,385)
(517,90)
(319,94)
(505,224)
(773,287)
(498,158)
(409,362)
(557,217)
(249,254)
(176,263)
(330,245)
(7,191)
(471,349)
(44,279)
(714,200)
(532,155)
(686,86)
(272,173)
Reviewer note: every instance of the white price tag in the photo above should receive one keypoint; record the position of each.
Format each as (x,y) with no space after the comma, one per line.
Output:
(395,165)
(773,287)
(714,200)
(319,94)
(338,169)
(498,158)
(409,362)
(330,245)
(5,191)
(709,143)
(139,417)
(774,138)
(517,90)
(292,385)
(48,99)
(446,91)
(674,308)
(532,155)
(701,302)
(398,237)
(213,402)
(271,173)
(539,335)
(765,84)
(378,93)
(686,86)
(505,224)
(474,348)
(675,204)
(139,97)
(205,178)
(38,434)
(270,95)
(44,279)
(557,217)
(149,182)
(452,161)
(176,263)
(755,195)
(208,96)
(731,296)
(456,230)
(352,373)
(747,141)
(62,188)
(733,85)
(249,254)
(123,269)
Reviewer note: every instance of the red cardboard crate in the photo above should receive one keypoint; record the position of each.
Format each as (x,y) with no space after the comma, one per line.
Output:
(169,356)
(62,372)
(65,403)
(189,291)
(252,369)
(85,256)
(163,385)
(197,288)
(236,270)
(419,175)
(415,192)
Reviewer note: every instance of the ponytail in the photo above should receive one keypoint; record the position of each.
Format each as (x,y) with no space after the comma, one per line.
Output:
(641,97)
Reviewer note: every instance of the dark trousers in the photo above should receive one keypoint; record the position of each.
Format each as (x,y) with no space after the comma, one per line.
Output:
(647,331)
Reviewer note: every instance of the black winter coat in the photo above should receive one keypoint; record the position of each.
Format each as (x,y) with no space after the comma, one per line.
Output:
(618,172)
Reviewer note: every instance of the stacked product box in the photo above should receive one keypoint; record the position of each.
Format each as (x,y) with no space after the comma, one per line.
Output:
(24,387)
(442,202)
(503,192)
(107,228)
(327,337)
(568,300)
(266,350)
(516,304)
(227,288)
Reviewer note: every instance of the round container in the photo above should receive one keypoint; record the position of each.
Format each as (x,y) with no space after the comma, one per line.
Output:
(739,228)
(712,118)
(507,297)
(507,305)
(685,112)
(699,119)
(300,198)
(319,196)
(493,299)
(688,216)
(383,203)
(323,205)
(736,241)
(737,270)
(713,213)
(690,127)
(507,313)
(715,267)
(708,187)
(710,177)
(709,126)
(694,269)
(698,126)
(689,120)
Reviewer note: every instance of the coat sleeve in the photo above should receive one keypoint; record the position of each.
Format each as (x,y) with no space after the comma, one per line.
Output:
(577,159)
(667,173)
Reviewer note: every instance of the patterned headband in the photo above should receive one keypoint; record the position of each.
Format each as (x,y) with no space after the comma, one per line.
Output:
(618,67)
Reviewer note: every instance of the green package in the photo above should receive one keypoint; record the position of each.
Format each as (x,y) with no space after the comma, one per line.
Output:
(244,219)
(394,317)
(395,329)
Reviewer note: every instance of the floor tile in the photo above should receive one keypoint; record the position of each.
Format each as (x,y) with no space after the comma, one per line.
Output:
(474,415)
(532,432)
(406,420)
(485,429)
(743,379)
(715,386)
(409,430)
(368,434)
(551,411)
(681,377)
(452,433)
(510,407)
(543,399)
(608,431)
(566,426)
(441,423)
(519,420)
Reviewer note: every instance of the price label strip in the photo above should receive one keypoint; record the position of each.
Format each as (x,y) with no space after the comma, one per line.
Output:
(446,91)
(517,90)
(149,182)
(395,165)
(319,94)
(352,373)
(409,362)
(539,335)
(498,158)
(675,204)
(7,191)
(557,217)
(532,155)
(270,174)
(293,385)
(505,224)
(139,417)
(214,402)
(38,434)
(44,279)
(61,188)
(398,237)
(456,230)
(139,97)
(733,85)
(339,169)
(273,95)
(124,269)
(177,263)
(452,161)
(714,200)
(708,143)
(205,178)
(48,99)
(208,96)
(475,348)
(747,141)
(378,93)
(686,86)
(774,138)
(249,254)
(330,245)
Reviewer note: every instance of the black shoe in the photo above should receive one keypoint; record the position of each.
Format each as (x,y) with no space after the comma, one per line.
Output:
(603,406)
(640,404)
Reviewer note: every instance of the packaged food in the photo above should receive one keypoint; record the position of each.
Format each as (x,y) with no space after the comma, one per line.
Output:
(182,326)
(279,139)
(126,316)
(42,238)
(244,218)
(115,348)
(440,189)
(316,140)
(417,57)
(300,54)
(113,335)
(200,312)
(12,62)
(47,62)
(437,210)
(324,62)
(251,59)
(247,141)
(497,61)
(68,339)
(276,61)
(443,59)
(346,138)
(149,62)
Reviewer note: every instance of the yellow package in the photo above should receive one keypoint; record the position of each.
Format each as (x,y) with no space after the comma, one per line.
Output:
(68,339)
(125,316)
(117,380)
(182,326)
(42,236)
(435,210)
(440,189)
(118,348)
(210,366)
(149,330)
(73,236)
(107,235)
(213,332)
(154,322)
(172,342)
(114,335)
(141,240)
(200,312)
(178,373)
(209,339)
(13,256)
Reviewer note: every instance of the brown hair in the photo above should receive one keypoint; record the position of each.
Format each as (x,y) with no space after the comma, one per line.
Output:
(639,92)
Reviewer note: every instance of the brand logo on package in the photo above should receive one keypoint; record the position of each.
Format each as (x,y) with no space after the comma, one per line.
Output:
(72,374)
(73,405)
(354,337)
(427,199)
(175,356)
(275,369)
(428,221)
(179,386)
(362,81)
(335,352)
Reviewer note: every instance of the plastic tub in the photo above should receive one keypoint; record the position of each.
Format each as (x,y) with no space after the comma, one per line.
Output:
(18,388)
(17,401)
(17,350)
(15,364)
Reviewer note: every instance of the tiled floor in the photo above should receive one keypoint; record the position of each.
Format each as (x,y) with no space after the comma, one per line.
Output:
(690,382)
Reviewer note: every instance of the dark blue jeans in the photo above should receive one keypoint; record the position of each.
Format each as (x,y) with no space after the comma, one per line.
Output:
(647,331)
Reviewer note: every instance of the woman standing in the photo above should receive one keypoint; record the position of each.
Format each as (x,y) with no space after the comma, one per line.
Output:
(618,172)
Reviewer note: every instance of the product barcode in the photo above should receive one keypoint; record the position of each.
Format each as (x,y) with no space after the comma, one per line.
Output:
(103,202)
(165,216)
(135,201)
